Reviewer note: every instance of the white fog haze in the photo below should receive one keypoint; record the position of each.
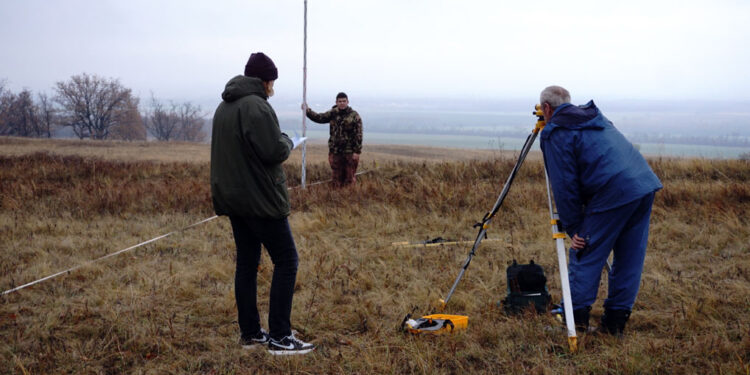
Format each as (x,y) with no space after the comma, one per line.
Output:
(665,72)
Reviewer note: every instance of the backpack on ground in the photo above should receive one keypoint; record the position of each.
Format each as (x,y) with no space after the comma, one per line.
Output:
(527,285)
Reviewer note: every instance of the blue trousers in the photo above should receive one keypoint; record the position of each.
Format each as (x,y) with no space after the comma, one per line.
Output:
(623,231)
(276,236)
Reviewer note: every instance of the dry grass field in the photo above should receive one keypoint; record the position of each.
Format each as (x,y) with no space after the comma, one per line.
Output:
(168,307)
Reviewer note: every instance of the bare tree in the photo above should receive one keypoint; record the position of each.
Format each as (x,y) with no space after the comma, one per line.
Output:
(130,126)
(5,100)
(191,123)
(162,123)
(47,115)
(19,115)
(182,122)
(92,105)
(26,114)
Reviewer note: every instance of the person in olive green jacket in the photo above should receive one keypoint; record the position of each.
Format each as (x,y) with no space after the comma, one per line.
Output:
(248,184)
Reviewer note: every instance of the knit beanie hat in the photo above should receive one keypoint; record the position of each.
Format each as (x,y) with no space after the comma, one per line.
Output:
(261,66)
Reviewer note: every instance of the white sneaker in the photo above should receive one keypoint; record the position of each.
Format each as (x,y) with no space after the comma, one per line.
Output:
(260,338)
(289,345)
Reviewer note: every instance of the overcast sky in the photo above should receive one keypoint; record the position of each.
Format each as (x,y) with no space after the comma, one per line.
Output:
(188,49)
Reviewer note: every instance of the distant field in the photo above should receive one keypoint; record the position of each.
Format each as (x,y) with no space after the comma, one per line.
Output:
(505,143)
(317,151)
(168,307)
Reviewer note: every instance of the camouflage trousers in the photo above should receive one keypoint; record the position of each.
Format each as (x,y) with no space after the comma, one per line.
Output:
(343,169)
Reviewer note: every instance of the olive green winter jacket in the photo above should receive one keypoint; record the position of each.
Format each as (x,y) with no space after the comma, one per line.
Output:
(247,149)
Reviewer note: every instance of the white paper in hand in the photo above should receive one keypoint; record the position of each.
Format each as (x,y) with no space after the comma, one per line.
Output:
(296,141)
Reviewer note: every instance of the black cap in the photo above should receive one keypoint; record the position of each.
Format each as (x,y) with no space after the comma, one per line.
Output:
(261,66)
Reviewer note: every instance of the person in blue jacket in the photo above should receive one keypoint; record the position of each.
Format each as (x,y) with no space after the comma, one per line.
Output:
(603,190)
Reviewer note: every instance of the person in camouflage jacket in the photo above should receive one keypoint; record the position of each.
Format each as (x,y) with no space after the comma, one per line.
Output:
(345,142)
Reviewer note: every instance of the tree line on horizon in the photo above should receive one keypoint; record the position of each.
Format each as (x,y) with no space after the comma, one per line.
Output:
(97,108)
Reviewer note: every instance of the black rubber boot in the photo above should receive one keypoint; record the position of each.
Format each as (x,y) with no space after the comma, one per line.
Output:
(613,321)
(581,318)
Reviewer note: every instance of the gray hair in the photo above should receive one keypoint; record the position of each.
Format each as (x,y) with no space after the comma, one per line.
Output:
(554,96)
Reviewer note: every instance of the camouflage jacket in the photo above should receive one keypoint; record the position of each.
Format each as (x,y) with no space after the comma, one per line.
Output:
(345,129)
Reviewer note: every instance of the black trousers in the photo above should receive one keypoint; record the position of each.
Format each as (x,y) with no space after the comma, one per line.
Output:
(276,236)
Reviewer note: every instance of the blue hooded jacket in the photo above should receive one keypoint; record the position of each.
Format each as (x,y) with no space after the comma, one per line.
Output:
(591,166)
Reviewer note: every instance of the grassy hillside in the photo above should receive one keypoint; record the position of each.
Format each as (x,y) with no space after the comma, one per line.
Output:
(168,307)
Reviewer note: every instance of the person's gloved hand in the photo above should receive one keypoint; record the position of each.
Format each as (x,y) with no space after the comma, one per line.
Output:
(296,141)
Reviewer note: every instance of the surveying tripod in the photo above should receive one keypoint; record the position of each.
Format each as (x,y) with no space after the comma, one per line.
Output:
(557,234)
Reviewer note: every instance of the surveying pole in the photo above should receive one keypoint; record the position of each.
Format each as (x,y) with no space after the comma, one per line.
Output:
(303,177)
(559,238)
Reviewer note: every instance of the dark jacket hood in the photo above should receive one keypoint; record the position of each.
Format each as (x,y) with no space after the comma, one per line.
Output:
(241,86)
(575,117)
